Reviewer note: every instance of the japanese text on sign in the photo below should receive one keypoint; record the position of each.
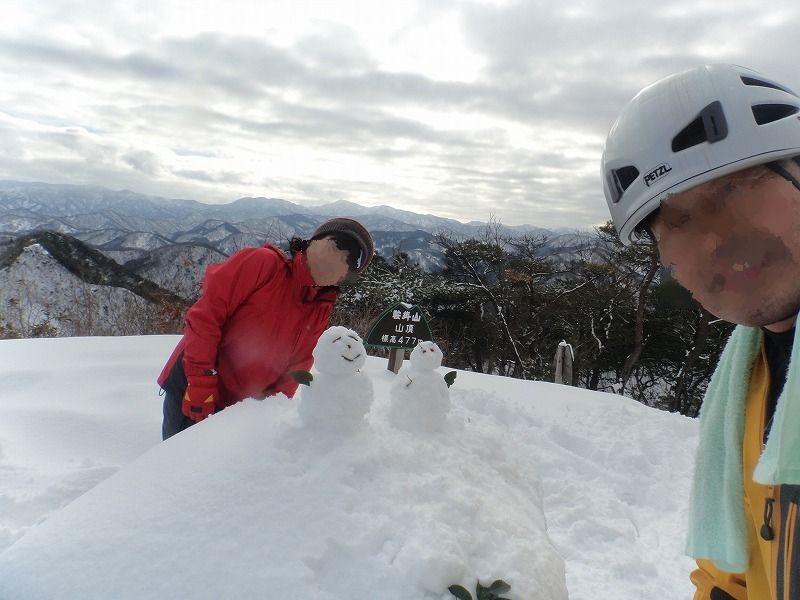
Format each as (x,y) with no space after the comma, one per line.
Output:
(402,325)
(405,315)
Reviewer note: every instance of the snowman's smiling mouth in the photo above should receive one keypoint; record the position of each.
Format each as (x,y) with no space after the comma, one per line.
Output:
(354,338)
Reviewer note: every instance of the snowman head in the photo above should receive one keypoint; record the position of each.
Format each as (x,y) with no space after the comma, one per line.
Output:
(339,350)
(426,356)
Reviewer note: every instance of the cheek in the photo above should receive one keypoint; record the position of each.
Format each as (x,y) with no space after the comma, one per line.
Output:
(337,262)
(688,250)
(668,254)
(687,268)
(332,270)
(335,272)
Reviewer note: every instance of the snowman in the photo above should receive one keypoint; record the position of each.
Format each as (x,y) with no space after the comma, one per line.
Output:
(339,395)
(420,398)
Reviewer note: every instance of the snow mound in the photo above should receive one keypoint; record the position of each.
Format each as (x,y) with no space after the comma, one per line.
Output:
(251,502)
(255,503)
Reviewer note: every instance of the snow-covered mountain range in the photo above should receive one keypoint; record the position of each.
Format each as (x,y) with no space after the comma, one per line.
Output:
(77,210)
(171,241)
(131,224)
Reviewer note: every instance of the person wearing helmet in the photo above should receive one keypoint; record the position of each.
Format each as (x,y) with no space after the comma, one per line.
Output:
(705,163)
(258,319)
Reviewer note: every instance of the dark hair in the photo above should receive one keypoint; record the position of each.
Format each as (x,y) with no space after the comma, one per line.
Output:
(778,168)
(347,243)
(297,244)
(343,242)
(644,230)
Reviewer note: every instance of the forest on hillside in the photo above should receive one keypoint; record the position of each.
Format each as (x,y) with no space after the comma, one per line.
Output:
(501,306)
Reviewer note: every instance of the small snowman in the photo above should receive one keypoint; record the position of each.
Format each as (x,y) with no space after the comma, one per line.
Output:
(339,396)
(420,398)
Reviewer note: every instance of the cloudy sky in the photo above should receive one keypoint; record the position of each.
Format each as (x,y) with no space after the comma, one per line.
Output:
(464,109)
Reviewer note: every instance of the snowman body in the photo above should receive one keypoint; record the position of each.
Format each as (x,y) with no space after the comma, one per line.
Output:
(340,395)
(419,396)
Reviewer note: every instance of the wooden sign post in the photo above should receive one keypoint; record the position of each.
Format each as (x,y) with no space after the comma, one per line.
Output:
(563,363)
(396,358)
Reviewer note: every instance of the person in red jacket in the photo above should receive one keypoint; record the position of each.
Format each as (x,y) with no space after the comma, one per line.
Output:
(257,320)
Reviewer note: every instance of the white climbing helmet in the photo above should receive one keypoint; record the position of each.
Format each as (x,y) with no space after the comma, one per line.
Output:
(690,128)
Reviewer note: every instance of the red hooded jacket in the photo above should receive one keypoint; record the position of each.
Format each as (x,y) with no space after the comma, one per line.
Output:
(259,317)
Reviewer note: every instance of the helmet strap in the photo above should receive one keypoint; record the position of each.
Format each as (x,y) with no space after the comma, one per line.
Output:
(774,166)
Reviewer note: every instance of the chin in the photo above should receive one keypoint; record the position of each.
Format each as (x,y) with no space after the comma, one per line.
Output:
(756,318)
(737,317)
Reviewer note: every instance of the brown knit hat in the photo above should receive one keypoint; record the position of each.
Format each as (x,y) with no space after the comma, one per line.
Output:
(355,230)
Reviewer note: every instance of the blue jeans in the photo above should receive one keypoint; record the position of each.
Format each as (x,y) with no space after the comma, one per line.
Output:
(174,387)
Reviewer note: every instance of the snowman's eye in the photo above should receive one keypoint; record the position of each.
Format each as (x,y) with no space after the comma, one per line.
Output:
(336,340)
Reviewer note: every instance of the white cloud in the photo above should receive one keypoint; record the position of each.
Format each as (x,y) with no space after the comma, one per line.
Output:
(461,108)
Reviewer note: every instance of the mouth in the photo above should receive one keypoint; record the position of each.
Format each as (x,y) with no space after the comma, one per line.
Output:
(748,253)
(351,359)
(742,260)
(750,266)
(739,276)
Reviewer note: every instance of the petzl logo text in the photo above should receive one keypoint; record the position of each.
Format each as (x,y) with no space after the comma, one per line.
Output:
(656,173)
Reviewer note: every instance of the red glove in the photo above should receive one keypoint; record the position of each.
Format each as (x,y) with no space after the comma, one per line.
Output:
(201,395)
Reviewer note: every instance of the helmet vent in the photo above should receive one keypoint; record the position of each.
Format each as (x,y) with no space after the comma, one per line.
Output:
(767,113)
(621,180)
(709,126)
(766,84)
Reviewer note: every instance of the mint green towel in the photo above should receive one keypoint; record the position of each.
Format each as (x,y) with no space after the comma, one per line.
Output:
(717,527)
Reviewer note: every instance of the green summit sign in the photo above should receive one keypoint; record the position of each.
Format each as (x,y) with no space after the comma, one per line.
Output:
(401,326)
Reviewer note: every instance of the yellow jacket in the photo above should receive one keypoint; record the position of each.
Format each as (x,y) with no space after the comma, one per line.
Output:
(774,570)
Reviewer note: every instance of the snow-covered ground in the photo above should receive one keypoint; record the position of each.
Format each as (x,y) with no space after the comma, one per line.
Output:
(527,481)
